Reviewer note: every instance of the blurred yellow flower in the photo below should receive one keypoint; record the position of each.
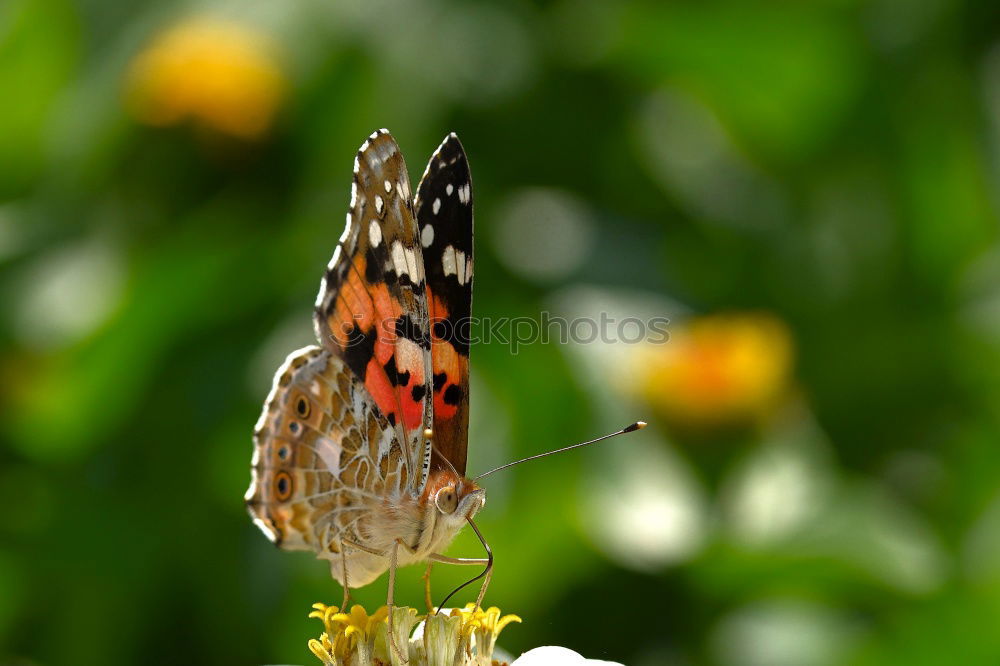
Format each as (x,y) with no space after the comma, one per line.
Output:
(718,369)
(216,73)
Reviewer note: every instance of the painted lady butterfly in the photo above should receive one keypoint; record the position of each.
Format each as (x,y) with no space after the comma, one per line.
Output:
(360,452)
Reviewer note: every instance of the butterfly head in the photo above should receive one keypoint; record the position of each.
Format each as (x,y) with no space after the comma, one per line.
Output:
(455,498)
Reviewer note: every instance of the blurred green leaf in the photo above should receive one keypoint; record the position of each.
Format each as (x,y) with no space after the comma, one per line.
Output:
(39,53)
(783,77)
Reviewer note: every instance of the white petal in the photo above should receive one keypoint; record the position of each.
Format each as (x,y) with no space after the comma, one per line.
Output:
(551,655)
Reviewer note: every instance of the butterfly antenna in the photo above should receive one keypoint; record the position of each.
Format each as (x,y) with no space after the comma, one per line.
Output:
(638,425)
(485,573)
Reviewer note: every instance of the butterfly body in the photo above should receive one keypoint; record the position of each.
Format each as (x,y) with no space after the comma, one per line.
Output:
(361,447)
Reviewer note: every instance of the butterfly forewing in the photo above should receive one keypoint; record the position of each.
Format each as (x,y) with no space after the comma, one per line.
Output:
(371,309)
(443,209)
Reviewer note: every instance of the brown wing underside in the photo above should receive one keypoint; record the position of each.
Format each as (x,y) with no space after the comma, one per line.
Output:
(323,455)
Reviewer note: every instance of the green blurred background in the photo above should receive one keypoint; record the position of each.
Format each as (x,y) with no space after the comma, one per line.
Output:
(807,190)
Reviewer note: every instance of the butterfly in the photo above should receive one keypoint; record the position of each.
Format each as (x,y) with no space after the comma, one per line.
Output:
(360,451)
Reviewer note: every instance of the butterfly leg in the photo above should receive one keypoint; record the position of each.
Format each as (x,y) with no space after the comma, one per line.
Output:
(481,561)
(444,559)
(347,589)
(389,601)
(392,576)
(427,588)
(370,551)
(482,590)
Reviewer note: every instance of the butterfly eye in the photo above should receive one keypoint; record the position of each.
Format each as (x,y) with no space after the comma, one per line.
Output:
(446,500)
(282,486)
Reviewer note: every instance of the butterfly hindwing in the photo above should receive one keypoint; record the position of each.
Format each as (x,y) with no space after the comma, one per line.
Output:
(443,209)
(371,310)
(321,447)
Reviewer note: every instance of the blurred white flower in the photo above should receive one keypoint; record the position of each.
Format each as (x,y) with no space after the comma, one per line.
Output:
(645,509)
(779,488)
(783,632)
(68,292)
(544,234)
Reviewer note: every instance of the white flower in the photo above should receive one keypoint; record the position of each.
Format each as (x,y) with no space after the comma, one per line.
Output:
(551,655)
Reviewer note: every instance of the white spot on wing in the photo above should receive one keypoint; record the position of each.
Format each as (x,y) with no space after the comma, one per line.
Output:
(399,258)
(321,296)
(335,257)
(449,189)
(448,261)
(385,443)
(378,204)
(436,207)
(411,264)
(388,187)
(329,451)
(460,266)
(463,193)
(374,233)
(427,234)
